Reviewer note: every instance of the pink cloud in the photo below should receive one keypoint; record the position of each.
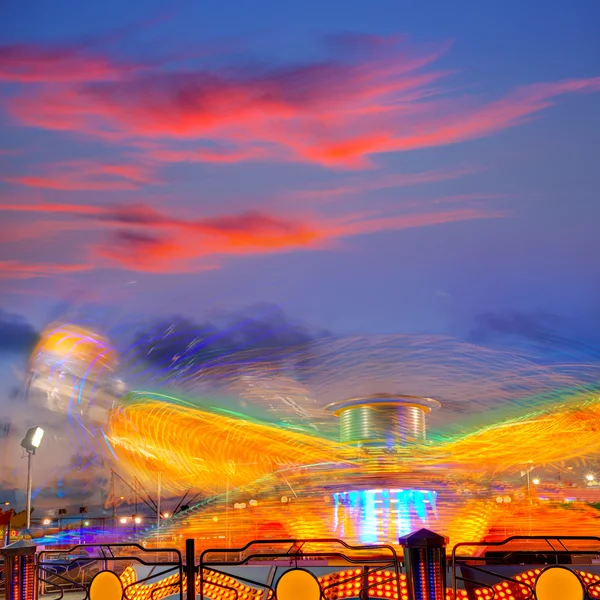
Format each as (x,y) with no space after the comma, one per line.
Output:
(514,109)
(84,175)
(359,185)
(144,239)
(29,63)
(377,96)
(13,269)
(276,113)
(213,155)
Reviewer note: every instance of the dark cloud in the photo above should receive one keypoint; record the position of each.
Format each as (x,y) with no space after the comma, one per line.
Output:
(137,238)
(555,333)
(529,325)
(357,44)
(70,491)
(16,334)
(178,344)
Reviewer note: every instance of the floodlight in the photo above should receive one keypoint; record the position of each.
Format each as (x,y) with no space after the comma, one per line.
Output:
(31,441)
(590,477)
(33,438)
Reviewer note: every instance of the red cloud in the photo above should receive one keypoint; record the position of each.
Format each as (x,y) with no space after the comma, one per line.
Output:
(87,175)
(220,155)
(144,239)
(36,64)
(256,234)
(12,269)
(244,115)
(360,185)
(516,108)
(375,98)
(50,207)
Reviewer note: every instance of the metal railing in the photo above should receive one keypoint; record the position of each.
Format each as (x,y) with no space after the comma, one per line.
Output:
(536,554)
(61,571)
(369,563)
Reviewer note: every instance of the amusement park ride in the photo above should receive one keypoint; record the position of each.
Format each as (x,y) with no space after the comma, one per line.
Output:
(377,480)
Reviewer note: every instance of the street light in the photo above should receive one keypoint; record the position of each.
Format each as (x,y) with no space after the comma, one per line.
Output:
(31,442)
(590,477)
(535,481)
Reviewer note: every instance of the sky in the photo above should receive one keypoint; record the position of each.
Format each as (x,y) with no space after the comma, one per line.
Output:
(366,167)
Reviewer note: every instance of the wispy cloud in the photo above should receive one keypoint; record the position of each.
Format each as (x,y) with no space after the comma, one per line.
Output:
(356,185)
(84,175)
(141,238)
(13,269)
(184,247)
(29,63)
(379,95)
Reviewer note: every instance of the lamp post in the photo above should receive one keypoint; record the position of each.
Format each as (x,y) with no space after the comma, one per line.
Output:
(31,442)
(158,494)
(61,513)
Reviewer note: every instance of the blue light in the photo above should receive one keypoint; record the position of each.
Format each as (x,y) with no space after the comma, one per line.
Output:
(369,529)
(336,503)
(383,515)
(403,519)
(419,504)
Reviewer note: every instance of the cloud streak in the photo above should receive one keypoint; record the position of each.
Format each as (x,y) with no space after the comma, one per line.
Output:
(32,63)
(141,238)
(369,95)
(378,96)
(14,269)
(86,175)
(360,185)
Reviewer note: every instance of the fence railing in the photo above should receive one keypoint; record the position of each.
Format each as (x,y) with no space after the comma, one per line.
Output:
(369,567)
(513,566)
(60,571)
